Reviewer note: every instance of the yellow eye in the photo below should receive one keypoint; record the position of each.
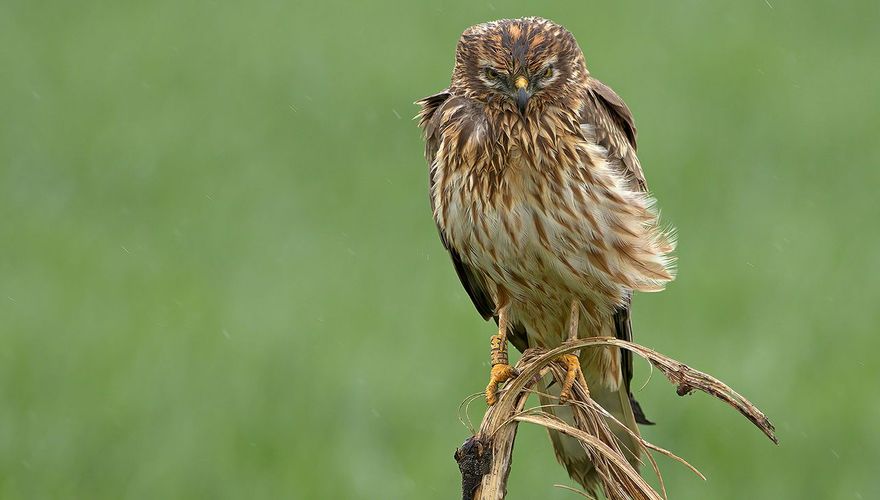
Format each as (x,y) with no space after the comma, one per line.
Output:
(548,73)
(491,74)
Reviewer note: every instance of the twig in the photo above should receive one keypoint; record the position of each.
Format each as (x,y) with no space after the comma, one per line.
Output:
(485,458)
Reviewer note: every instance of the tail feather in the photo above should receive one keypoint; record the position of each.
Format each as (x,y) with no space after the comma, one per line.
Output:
(569,451)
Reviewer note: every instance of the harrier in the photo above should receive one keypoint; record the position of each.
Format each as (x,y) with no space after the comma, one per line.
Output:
(540,200)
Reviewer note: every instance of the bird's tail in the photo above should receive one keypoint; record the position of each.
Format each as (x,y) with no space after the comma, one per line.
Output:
(568,450)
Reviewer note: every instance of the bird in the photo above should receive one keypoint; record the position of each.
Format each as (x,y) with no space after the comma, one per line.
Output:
(541,202)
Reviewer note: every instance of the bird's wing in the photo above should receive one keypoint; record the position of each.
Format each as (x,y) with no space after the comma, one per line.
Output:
(607,120)
(610,122)
(428,120)
(623,329)
(470,279)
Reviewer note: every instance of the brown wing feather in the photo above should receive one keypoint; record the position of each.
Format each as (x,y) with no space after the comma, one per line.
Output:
(470,279)
(615,130)
(609,119)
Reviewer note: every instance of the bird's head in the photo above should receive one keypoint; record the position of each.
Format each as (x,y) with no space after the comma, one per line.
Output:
(520,64)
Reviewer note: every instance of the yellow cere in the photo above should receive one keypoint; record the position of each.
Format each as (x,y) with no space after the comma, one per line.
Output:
(521,82)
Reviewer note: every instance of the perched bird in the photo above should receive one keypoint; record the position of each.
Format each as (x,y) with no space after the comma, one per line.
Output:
(540,200)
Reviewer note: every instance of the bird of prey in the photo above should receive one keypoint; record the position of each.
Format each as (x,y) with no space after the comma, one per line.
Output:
(540,199)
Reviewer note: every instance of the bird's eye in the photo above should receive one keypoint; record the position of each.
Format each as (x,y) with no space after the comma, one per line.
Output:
(548,72)
(491,74)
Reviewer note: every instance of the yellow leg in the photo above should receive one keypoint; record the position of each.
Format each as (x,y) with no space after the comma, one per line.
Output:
(572,372)
(572,361)
(501,370)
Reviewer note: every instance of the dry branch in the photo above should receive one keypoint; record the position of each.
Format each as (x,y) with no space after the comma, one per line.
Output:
(485,458)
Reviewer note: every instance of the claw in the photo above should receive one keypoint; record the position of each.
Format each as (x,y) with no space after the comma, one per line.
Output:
(500,373)
(573,372)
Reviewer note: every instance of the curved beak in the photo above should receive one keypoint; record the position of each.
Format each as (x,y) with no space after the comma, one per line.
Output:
(522,94)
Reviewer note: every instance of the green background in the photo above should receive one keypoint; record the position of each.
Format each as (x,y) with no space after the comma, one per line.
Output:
(219,277)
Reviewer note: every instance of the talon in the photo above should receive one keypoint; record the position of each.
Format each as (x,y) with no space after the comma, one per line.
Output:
(573,371)
(500,373)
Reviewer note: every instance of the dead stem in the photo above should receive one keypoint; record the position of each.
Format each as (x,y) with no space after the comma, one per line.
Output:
(485,458)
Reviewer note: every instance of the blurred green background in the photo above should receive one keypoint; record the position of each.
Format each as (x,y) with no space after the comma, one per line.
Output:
(219,277)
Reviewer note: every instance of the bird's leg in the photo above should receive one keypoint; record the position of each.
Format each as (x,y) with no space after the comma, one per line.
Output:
(572,361)
(501,369)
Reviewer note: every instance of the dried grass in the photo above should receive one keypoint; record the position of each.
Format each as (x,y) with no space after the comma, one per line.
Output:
(485,458)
